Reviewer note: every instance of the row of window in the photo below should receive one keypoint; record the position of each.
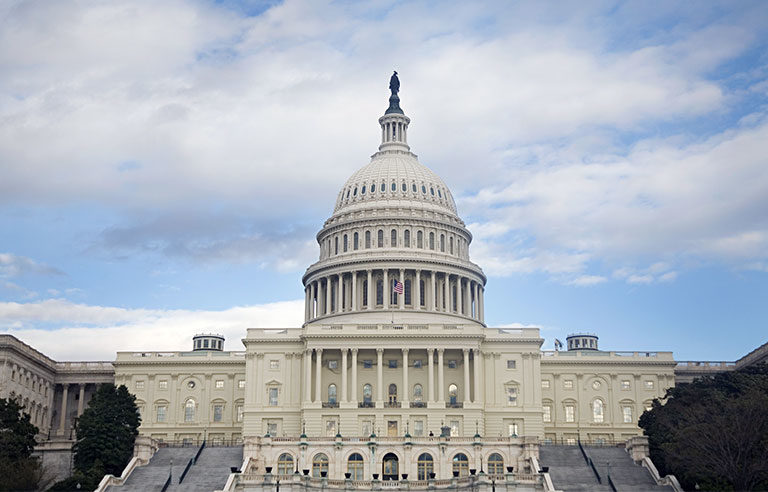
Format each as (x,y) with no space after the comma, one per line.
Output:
(344,242)
(29,380)
(190,411)
(598,411)
(359,192)
(625,384)
(425,465)
(36,411)
(393,363)
(204,344)
(163,384)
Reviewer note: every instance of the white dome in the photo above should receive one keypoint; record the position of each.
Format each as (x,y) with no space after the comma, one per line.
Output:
(412,182)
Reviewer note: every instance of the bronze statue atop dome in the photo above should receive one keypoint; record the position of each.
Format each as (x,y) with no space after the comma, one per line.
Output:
(394,84)
(394,99)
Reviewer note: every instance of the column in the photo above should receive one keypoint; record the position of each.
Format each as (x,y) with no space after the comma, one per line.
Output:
(379,377)
(306,303)
(466,375)
(478,386)
(344,375)
(406,388)
(318,378)
(353,396)
(387,289)
(338,293)
(369,294)
(328,295)
(446,298)
(476,313)
(260,393)
(482,304)
(467,299)
(417,290)
(313,298)
(308,369)
(431,375)
(401,297)
(81,400)
(432,292)
(354,290)
(63,415)
(440,378)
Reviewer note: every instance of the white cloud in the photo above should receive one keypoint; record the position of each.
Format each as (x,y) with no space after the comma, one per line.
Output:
(12,265)
(97,332)
(587,280)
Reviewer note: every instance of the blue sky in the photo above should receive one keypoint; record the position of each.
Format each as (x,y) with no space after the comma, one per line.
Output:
(164,167)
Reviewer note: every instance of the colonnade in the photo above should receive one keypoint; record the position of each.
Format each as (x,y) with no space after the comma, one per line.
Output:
(349,393)
(423,290)
(62,429)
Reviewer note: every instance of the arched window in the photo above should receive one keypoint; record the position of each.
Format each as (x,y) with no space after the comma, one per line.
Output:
(380,239)
(320,465)
(453,394)
(418,393)
(407,238)
(379,292)
(367,393)
(331,393)
(394,186)
(392,393)
(442,243)
(285,464)
(413,187)
(450,245)
(422,301)
(404,187)
(407,291)
(389,467)
(419,239)
(365,293)
(424,466)
(373,187)
(336,245)
(355,241)
(460,464)
(495,464)
(367,239)
(393,238)
(597,411)
(345,243)
(355,466)
(432,240)
(189,410)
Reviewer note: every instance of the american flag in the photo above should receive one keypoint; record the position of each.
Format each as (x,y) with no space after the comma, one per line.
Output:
(398,287)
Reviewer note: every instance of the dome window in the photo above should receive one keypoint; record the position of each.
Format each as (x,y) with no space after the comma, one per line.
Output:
(404,187)
(394,186)
(424,189)
(354,193)
(432,190)
(347,194)
(439,193)
(362,191)
(373,187)
(413,187)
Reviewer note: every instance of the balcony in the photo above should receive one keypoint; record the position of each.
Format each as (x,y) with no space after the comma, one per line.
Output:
(418,404)
(454,404)
(365,404)
(330,404)
(391,404)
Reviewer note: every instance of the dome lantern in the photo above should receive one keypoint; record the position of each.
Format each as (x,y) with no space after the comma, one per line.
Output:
(394,123)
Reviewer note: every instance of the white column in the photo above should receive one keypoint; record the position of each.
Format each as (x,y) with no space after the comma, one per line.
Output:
(313,300)
(467,299)
(482,304)
(406,388)
(354,290)
(431,374)
(353,396)
(308,369)
(338,293)
(466,375)
(446,294)
(369,294)
(81,400)
(478,386)
(344,375)
(440,376)
(379,377)
(328,295)
(318,376)
(306,303)
(63,415)
(387,289)
(417,289)
(433,292)
(476,313)
(401,297)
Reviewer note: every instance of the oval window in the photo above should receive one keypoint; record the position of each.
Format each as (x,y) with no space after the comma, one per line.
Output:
(347,193)
(404,187)
(373,187)
(424,189)
(394,186)
(439,193)
(413,187)
(362,191)
(354,193)
(432,190)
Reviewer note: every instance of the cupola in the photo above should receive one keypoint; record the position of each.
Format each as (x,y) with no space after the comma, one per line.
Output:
(207,342)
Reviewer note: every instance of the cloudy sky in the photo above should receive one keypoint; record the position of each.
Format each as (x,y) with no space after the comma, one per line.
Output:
(164,166)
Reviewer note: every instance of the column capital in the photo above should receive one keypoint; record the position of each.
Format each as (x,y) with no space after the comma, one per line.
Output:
(440,350)
(259,355)
(430,351)
(354,350)
(405,350)
(379,350)
(466,351)
(319,350)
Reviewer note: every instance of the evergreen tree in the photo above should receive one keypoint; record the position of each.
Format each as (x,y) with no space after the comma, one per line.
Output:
(18,469)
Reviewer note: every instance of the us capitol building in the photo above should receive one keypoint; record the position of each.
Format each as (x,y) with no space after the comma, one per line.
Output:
(394,372)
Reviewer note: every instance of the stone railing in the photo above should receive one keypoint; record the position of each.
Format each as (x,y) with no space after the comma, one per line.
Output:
(85,366)
(705,365)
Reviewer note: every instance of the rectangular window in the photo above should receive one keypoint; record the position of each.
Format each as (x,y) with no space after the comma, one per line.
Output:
(511,364)
(512,429)
(241,384)
(455,428)
(417,363)
(367,364)
(139,385)
(627,414)
(272,397)
(511,396)
(452,364)
(649,385)
(333,364)
(219,384)
(571,441)
(570,413)
(330,428)
(625,384)
(545,383)
(392,364)
(163,385)
(218,411)
(568,384)
(272,428)
(547,413)
(239,415)
(162,411)
(367,427)
(274,364)
(418,428)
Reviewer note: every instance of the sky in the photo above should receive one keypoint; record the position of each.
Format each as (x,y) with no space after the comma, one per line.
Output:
(165,166)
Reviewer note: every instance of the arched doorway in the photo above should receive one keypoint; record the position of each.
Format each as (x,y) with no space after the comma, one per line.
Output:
(389,467)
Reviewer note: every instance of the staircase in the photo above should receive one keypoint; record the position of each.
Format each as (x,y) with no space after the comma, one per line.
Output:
(208,474)
(570,472)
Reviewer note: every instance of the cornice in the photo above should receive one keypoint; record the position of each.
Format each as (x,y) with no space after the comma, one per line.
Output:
(345,265)
(609,362)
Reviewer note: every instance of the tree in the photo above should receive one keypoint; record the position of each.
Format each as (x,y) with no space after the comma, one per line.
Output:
(106,432)
(18,469)
(713,432)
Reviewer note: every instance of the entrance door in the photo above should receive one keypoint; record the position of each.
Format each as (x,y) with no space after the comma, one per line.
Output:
(389,468)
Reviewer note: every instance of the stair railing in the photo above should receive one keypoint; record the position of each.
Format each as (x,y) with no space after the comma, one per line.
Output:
(589,462)
(186,469)
(610,482)
(197,455)
(167,483)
